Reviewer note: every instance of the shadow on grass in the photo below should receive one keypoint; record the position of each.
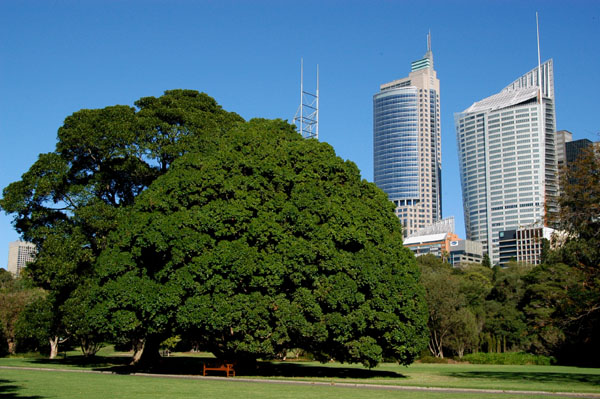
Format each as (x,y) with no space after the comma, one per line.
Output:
(557,378)
(193,366)
(280,369)
(10,391)
(95,362)
(182,365)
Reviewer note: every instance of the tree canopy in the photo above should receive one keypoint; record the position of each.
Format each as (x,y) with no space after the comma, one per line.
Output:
(572,277)
(175,217)
(70,199)
(267,244)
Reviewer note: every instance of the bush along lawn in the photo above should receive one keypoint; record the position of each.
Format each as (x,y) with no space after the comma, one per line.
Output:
(521,358)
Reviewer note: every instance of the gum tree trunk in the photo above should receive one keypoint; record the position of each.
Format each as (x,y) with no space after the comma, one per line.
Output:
(54,341)
(138,349)
(53,347)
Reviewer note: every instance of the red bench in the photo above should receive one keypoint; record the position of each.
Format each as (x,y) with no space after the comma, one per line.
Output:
(226,367)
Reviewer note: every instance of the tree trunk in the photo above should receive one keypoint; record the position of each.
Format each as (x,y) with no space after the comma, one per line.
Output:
(435,345)
(12,346)
(146,352)
(89,347)
(53,347)
(138,349)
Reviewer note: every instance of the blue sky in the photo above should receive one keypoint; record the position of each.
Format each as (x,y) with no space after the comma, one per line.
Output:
(57,57)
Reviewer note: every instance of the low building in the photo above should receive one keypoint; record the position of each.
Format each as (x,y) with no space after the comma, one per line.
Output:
(465,251)
(574,148)
(19,254)
(448,246)
(445,225)
(523,244)
(435,244)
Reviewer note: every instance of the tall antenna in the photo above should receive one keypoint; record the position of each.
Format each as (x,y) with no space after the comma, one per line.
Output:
(539,72)
(307,115)
(429,41)
(542,116)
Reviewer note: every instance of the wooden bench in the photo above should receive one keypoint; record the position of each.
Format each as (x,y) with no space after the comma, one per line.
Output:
(226,367)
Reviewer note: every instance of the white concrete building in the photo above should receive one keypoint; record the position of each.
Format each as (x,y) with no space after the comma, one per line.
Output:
(19,254)
(507,159)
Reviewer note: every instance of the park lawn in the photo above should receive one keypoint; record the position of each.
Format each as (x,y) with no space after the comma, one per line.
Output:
(34,384)
(506,377)
(497,377)
(470,376)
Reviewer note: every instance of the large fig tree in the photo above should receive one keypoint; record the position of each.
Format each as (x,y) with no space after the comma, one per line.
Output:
(267,242)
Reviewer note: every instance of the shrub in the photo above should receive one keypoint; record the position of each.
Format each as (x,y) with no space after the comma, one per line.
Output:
(509,358)
(3,344)
(433,359)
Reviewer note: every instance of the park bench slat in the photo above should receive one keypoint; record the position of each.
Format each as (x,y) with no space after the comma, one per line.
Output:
(226,367)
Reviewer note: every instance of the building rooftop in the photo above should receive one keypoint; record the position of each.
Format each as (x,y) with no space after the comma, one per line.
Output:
(530,79)
(525,88)
(425,238)
(503,99)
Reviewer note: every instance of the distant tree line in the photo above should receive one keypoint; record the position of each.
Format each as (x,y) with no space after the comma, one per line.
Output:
(552,309)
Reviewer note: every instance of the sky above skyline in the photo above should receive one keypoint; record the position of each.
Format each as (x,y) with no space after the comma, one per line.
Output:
(57,57)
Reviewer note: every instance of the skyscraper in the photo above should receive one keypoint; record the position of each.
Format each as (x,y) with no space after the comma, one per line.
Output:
(507,158)
(407,154)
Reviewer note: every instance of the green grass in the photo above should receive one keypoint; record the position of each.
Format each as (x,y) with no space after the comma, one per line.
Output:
(30,384)
(535,378)
(25,384)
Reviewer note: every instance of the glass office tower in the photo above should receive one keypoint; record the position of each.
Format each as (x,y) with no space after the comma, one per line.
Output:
(407,145)
(507,159)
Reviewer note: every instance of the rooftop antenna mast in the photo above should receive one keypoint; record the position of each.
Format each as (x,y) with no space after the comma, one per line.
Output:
(429,41)
(539,71)
(307,115)
(541,113)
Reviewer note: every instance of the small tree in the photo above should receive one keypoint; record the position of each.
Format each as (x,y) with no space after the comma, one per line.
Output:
(444,300)
(15,296)
(486,261)
(504,319)
(464,334)
(81,321)
(37,323)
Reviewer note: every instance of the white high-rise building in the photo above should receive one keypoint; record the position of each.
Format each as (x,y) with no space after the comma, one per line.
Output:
(507,159)
(19,254)
(407,154)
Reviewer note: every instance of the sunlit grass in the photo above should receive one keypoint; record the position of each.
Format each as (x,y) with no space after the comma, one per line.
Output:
(27,384)
(468,376)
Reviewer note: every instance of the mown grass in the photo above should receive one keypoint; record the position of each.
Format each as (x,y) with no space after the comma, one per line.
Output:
(28,384)
(42,384)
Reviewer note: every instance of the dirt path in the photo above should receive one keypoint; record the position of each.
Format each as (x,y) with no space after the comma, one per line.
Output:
(329,384)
